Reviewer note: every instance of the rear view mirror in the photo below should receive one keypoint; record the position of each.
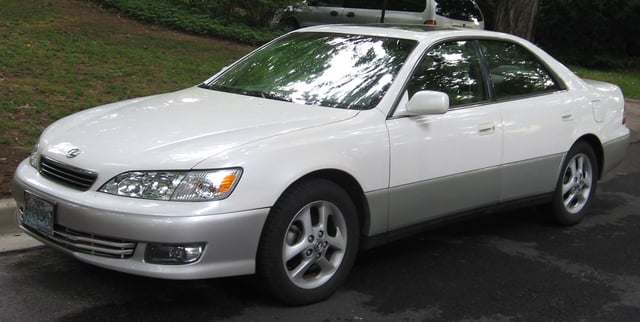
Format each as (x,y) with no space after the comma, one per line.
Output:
(428,103)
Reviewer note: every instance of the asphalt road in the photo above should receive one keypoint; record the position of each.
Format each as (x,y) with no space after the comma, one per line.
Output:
(513,266)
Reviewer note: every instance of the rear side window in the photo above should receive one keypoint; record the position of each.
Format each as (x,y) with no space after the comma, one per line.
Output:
(515,71)
(453,68)
(363,4)
(465,10)
(326,3)
(407,5)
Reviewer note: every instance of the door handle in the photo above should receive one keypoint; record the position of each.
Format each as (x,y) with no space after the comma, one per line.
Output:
(567,117)
(333,13)
(486,128)
(351,15)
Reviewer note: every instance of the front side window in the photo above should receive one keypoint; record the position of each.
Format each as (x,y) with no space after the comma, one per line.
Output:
(465,10)
(514,71)
(453,68)
(325,69)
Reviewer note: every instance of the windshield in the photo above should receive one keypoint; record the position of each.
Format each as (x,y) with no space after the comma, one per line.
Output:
(332,70)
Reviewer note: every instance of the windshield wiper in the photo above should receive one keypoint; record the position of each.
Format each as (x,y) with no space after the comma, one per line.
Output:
(271,96)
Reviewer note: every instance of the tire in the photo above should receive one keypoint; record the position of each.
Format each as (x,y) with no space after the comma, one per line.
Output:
(289,24)
(309,243)
(576,185)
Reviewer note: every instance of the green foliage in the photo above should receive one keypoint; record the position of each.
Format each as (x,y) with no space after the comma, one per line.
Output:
(627,79)
(594,33)
(257,13)
(219,18)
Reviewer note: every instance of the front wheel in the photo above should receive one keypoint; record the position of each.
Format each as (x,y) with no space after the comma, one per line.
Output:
(576,186)
(289,24)
(309,243)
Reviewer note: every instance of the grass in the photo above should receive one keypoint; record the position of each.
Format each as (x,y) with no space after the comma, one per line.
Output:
(60,57)
(177,15)
(628,80)
(56,63)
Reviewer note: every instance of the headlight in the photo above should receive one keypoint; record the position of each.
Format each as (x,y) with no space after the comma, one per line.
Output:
(33,157)
(175,185)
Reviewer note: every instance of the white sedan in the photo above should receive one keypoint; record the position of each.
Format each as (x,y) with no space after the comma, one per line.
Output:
(327,140)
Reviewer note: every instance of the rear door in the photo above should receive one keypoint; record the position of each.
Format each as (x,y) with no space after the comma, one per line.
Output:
(321,12)
(362,11)
(407,11)
(540,118)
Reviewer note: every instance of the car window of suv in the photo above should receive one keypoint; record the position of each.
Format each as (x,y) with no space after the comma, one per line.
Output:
(326,3)
(407,5)
(465,10)
(363,4)
(452,68)
(515,71)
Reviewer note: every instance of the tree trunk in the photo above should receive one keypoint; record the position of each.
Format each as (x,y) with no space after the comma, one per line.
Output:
(517,17)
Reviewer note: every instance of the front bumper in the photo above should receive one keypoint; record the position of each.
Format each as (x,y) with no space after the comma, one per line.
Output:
(231,239)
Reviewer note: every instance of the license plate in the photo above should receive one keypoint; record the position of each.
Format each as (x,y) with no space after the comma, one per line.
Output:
(38,213)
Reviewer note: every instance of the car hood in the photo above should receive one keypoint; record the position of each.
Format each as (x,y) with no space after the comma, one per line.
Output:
(175,130)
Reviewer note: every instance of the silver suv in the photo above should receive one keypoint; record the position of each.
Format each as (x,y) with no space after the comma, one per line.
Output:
(459,13)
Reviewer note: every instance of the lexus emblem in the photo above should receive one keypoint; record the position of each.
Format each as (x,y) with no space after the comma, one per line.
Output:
(73,153)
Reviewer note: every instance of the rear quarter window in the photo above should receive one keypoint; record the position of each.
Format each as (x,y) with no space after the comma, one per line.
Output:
(515,71)
(465,10)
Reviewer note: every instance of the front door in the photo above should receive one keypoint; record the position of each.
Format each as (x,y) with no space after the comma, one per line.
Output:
(443,164)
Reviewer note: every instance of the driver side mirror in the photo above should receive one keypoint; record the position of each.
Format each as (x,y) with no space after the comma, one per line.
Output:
(428,103)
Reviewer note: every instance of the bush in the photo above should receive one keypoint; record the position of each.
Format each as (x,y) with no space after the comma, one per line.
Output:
(195,16)
(592,33)
(256,13)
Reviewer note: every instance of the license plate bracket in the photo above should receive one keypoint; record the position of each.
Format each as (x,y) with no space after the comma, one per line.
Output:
(38,213)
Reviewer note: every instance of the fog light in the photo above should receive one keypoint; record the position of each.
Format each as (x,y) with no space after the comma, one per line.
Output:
(173,254)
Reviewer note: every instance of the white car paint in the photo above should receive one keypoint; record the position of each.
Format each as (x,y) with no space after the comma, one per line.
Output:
(278,143)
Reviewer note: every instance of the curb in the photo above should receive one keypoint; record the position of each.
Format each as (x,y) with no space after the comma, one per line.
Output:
(8,223)
(12,238)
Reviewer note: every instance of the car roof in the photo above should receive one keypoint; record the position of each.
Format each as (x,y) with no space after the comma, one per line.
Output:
(406,31)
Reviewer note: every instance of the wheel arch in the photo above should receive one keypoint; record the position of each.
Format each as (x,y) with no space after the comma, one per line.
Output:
(290,23)
(596,145)
(346,182)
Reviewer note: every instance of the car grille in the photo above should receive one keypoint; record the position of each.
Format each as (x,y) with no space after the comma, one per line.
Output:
(88,243)
(69,175)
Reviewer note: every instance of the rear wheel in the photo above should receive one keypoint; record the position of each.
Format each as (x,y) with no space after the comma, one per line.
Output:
(309,243)
(576,186)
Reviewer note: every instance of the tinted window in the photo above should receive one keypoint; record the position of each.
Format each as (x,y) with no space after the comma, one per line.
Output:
(407,5)
(363,4)
(465,10)
(515,71)
(453,68)
(333,70)
(326,3)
